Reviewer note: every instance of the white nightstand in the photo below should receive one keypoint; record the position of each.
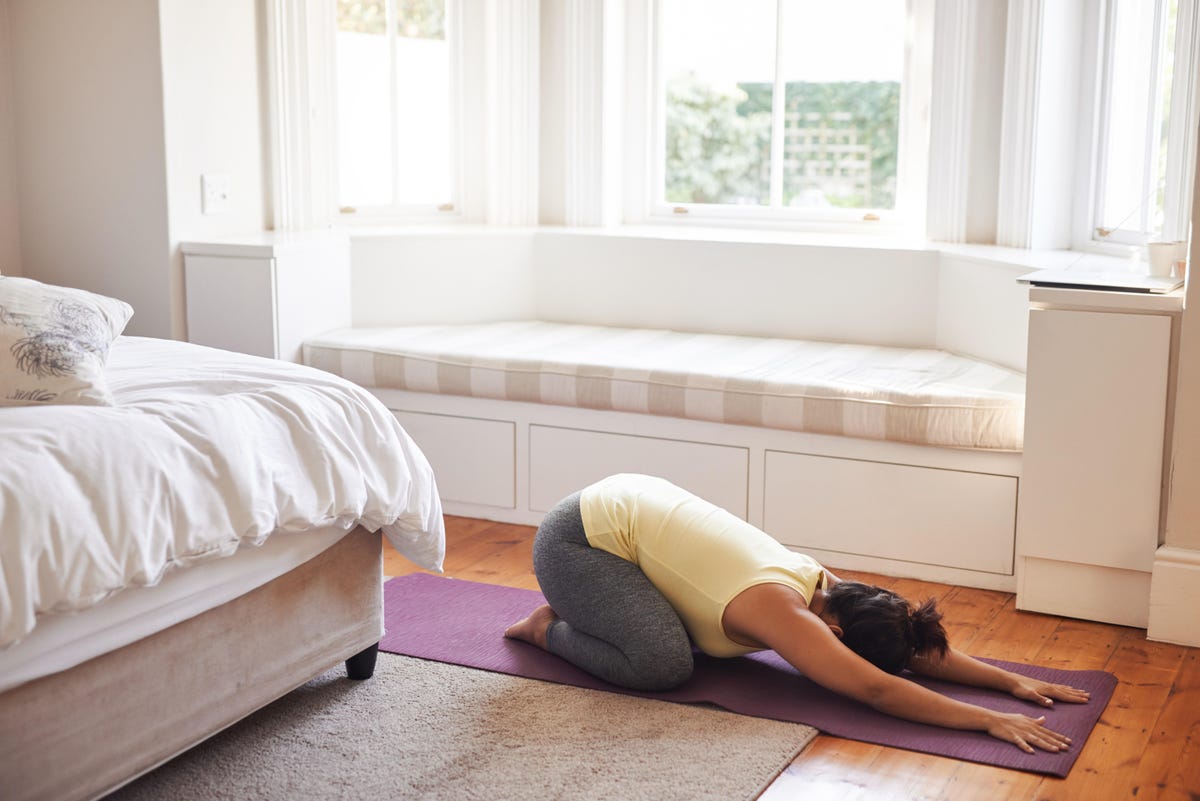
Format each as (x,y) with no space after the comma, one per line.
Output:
(265,293)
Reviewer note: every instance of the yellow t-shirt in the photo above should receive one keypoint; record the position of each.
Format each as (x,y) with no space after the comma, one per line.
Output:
(699,556)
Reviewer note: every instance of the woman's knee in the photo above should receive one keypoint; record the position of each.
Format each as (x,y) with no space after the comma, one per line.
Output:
(663,670)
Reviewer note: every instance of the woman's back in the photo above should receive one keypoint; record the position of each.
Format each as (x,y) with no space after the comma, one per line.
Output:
(698,555)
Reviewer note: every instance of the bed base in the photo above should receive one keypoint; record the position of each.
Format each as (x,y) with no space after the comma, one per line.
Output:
(83,732)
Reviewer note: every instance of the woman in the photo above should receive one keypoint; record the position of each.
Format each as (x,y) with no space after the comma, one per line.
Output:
(636,570)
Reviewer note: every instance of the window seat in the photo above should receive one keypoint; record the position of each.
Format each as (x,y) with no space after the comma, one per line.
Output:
(920,396)
(895,460)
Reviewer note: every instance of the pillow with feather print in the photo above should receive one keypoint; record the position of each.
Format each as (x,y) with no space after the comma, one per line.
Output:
(54,343)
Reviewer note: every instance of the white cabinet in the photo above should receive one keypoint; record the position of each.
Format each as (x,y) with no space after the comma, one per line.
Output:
(265,294)
(1091,485)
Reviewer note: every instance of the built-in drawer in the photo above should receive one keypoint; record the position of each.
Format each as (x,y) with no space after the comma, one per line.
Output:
(563,460)
(473,459)
(891,511)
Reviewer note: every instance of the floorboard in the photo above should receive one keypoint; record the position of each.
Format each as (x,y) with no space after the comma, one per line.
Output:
(1145,748)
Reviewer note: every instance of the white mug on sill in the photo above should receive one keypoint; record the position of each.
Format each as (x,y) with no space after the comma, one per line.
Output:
(1163,255)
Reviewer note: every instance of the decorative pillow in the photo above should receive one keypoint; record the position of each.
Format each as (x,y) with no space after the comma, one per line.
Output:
(54,343)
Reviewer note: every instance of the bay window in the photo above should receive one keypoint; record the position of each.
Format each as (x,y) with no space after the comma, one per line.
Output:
(786,110)
(799,114)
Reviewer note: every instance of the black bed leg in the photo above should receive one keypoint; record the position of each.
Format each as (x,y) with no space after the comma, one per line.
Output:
(362,665)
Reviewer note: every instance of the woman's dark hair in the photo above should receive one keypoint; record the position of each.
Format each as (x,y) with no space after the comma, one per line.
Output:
(883,628)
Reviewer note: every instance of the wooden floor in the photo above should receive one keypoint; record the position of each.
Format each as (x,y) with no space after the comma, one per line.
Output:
(1146,746)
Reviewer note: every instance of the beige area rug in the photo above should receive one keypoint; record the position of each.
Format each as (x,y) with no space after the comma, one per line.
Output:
(428,730)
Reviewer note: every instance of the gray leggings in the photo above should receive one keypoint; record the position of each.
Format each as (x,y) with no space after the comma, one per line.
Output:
(613,622)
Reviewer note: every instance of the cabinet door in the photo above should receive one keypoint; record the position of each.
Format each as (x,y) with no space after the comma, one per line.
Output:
(900,512)
(487,476)
(1094,413)
(563,460)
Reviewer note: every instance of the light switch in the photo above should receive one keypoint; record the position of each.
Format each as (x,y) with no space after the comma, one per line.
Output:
(214,193)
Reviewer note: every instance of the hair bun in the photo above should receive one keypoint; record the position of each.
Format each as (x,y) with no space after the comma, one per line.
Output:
(929,637)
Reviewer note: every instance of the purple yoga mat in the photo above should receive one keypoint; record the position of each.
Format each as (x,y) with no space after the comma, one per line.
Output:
(463,623)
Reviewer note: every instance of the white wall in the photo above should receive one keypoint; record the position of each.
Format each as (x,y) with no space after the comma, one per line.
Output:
(982,310)
(1183,490)
(118,107)
(1175,586)
(88,104)
(10,240)
(1183,476)
(213,123)
(441,277)
(880,295)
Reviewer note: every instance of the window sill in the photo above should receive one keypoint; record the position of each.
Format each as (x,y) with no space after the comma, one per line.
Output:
(1016,259)
(749,236)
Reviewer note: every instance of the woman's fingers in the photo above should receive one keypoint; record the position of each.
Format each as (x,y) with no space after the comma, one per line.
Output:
(1029,734)
(1046,738)
(1071,695)
(1050,741)
(1044,693)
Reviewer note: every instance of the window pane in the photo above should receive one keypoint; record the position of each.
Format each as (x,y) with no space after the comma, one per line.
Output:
(718,66)
(386,139)
(423,102)
(364,124)
(1136,115)
(843,64)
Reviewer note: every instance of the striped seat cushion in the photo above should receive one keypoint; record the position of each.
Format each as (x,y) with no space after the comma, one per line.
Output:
(906,395)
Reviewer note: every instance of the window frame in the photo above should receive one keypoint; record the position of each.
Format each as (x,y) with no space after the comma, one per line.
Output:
(496,90)
(645,129)
(450,210)
(1181,138)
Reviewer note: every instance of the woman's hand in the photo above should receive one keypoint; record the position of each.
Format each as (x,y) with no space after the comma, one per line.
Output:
(1043,693)
(1026,733)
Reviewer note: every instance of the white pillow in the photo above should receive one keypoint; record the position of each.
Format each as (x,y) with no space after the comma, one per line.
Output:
(54,343)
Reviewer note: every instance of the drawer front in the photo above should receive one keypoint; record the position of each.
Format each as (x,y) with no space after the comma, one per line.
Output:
(473,459)
(912,514)
(563,460)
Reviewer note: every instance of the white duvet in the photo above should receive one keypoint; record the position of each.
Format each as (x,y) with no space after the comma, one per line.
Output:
(204,452)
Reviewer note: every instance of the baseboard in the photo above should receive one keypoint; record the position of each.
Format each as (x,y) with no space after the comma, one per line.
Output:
(1175,596)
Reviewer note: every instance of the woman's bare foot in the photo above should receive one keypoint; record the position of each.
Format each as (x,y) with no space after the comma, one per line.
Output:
(533,628)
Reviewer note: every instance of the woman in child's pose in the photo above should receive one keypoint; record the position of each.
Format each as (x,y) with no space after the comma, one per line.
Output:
(636,569)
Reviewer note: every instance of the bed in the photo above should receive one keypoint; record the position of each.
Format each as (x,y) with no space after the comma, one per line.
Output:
(200,541)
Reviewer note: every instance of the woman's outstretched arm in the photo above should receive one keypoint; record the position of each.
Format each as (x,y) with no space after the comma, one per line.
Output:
(962,669)
(776,617)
